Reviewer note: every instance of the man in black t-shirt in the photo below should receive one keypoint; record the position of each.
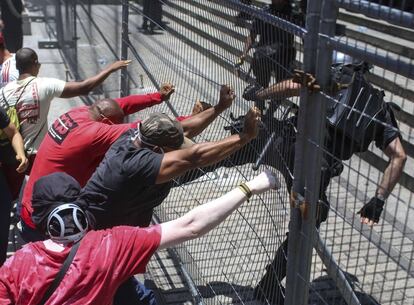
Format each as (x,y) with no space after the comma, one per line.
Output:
(138,170)
(5,197)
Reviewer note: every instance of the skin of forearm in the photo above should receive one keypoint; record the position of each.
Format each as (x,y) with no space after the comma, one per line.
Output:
(248,45)
(283,89)
(16,140)
(391,176)
(17,144)
(211,152)
(194,125)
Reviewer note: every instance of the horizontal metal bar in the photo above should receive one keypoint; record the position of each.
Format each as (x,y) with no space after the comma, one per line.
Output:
(271,19)
(395,65)
(374,10)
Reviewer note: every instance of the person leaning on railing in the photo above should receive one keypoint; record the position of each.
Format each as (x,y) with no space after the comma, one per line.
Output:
(32,96)
(16,141)
(104,258)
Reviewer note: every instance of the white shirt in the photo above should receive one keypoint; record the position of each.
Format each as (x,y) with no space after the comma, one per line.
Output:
(8,71)
(32,107)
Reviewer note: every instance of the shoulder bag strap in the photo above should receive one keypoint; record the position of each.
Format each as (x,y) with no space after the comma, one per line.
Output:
(61,274)
(20,96)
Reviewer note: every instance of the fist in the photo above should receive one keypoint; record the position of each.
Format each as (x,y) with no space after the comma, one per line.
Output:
(227,96)
(251,123)
(264,182)
(166,90)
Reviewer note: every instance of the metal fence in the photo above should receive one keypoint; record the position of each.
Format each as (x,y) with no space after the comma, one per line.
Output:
(197,45)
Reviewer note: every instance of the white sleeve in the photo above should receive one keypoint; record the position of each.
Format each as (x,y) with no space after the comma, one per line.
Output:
(53,87)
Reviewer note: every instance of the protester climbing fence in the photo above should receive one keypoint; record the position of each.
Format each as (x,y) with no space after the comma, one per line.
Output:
(199,45)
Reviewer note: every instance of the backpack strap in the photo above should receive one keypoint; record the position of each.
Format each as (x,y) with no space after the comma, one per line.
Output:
(61,274)
(21,93)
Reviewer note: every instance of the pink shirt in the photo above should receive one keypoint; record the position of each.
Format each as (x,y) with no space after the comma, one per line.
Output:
(104,260)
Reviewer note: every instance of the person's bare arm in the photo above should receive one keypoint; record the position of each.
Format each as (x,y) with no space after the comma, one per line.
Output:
(84,87)
(204,218)
(397,158)
(371,211)
(177,162)
(17,143)
(283,89)
(248,45)
(194,125)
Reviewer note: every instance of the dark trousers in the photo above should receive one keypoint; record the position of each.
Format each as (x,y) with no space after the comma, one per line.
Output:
(152,14)
(5,210)
(13,32)
(132,292)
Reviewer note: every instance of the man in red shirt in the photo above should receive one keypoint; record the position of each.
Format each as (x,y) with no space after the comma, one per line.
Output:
(78,140)
(105,258)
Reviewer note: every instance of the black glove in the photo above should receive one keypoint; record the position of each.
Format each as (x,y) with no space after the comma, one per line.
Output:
(373,209)
(250,92)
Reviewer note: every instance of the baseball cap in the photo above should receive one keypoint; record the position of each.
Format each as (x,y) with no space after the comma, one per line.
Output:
(160,129)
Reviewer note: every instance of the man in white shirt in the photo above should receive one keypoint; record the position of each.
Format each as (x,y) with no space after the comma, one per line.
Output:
(32,95)
(8,70)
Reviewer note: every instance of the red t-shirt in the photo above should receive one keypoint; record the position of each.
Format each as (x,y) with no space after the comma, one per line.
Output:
(105,259)
(76,144)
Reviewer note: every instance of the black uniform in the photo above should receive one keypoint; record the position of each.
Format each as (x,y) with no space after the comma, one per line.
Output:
(274,50)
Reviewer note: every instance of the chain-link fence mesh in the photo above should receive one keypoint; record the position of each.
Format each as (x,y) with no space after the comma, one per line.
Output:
(198,45)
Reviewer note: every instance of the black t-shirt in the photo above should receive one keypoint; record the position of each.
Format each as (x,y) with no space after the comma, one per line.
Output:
(4,119)
(343,148)
(127,177)
(270,34)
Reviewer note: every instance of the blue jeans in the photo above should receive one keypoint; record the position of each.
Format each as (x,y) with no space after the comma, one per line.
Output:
(132,292)
(5,210)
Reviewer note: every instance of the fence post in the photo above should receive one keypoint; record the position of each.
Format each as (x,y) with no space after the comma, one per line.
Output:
(305,191)
(124,47)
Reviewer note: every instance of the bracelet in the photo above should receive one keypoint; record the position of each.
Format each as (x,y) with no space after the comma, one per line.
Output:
(246,190)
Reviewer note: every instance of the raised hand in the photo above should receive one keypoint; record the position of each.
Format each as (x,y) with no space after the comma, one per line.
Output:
(166,90)
(227,96)
(251,122)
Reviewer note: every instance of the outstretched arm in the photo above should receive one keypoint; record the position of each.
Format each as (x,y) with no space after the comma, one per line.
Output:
(134,103)
(84,87)
(177,162)
(194,125)
(283,89)
(397,159)
(204,218)
(17,142)
(371,211)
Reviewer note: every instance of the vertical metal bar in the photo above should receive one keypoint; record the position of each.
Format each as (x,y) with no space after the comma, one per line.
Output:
(300,241)
(75,38)
(124,47)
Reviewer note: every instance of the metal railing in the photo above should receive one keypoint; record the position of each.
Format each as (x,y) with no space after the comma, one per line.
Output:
(196,46)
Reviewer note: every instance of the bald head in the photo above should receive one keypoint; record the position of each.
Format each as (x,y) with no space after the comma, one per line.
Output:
(107,109)
(27,61)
